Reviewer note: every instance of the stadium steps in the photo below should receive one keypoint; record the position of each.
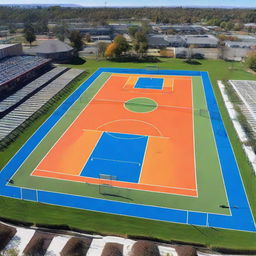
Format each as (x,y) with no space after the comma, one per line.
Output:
(13,101)
(24,111)
(247,90)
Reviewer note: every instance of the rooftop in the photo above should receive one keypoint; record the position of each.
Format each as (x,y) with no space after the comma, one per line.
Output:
(52,46)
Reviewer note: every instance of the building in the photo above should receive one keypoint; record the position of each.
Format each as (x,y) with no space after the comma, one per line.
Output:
(54,49)
(175,41)
(201,41)
(157,42)
(106,39)
(95,31)
(180,29)
(7,50)
(238,44)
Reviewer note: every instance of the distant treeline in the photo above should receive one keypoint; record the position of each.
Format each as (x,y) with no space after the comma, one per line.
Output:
(162,15)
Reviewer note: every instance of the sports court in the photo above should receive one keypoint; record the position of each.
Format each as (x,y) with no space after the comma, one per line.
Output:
(142,143)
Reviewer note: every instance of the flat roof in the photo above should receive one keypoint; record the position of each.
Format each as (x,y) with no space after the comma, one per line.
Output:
(2,46)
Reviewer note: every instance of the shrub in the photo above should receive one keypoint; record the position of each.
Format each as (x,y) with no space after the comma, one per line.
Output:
(38,244)
(76,246)
(251,60)
(185,250)
(145,248)
(6,234)
(112,249)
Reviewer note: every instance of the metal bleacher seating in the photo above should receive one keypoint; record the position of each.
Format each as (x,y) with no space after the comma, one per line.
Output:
(13,67)
(17,97)
(246,89)
(24,111)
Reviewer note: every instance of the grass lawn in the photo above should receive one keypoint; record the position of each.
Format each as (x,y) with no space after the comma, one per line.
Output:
(109,224)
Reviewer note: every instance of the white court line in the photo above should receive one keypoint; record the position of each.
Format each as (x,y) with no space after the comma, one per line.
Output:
(131,120)
(126,182)
(145,153)
(114,160)
(122,102)
(193,129)
(85,163)
(216,147)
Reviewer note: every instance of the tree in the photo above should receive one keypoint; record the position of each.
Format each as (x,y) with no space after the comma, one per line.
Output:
(61,31)
(42,26)
(88,38)
(190,53)
(111,50)
(223,24)
(122,45)
(29,34)
(229,26)
(251,60)
(238,27)
(133,30)
(12,28)
(140,43)
(102,46)
(76,40)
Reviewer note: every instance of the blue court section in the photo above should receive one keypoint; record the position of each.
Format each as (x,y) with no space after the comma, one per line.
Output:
(149,83)
(119,155)
(197,218)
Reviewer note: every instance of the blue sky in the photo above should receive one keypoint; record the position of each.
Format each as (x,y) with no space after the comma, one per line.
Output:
(233,3)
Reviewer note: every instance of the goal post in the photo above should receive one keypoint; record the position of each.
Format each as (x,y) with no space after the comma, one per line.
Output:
(106,185)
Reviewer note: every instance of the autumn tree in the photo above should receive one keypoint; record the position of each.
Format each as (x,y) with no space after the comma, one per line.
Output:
(251,60)
(111,50)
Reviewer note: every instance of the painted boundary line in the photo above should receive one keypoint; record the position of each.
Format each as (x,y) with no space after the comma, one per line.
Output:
(241,218)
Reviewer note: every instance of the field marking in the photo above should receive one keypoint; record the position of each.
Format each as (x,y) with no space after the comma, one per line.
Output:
(231,146)
(120,138)
(178,209)
(145,152)
(115,160)
(216,147)
(90,154)
(146,112)
(119,181)
(164,106)
(132,120)
(193,131)
(224,183)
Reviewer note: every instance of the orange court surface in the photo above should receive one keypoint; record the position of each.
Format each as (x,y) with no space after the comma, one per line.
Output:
(164,137)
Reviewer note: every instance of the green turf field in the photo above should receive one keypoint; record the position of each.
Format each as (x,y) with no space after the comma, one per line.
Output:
(208,169)
(218,70)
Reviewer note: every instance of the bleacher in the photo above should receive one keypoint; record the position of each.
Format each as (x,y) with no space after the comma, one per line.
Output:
(24,111)
(12,68)
(246,90)
(29,89)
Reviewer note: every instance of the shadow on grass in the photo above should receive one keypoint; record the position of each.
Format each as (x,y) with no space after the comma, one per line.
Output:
(193,62)
(136,59)
(77,61)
